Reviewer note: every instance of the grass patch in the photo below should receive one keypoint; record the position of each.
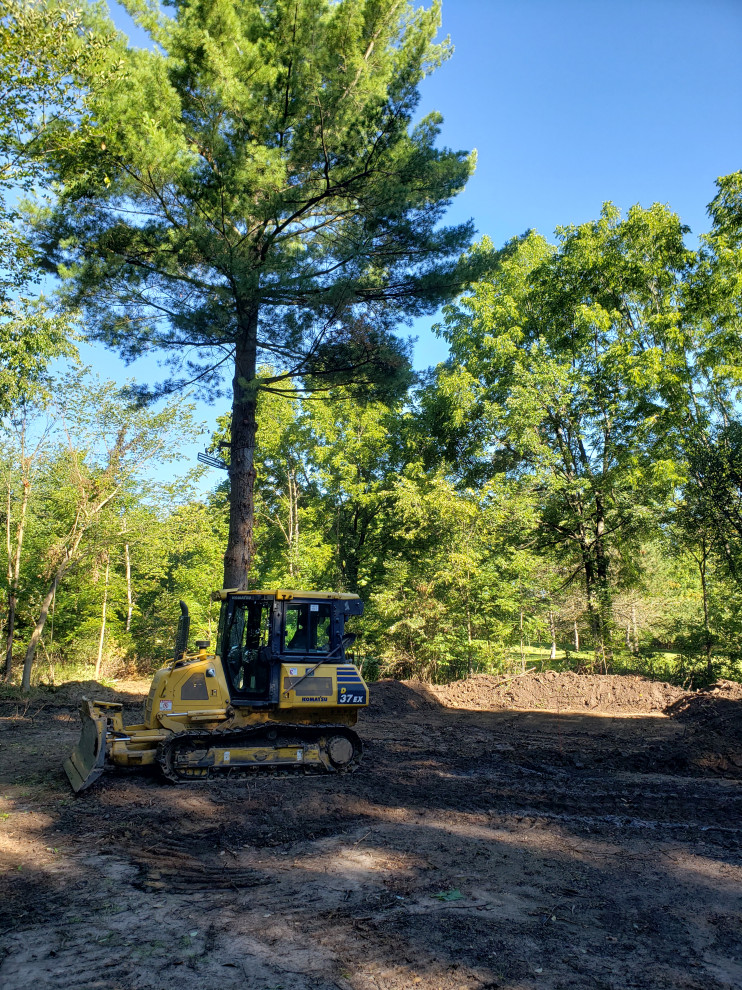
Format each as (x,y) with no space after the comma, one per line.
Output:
(683,668)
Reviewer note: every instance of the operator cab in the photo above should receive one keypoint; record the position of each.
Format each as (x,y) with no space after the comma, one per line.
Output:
(260,630)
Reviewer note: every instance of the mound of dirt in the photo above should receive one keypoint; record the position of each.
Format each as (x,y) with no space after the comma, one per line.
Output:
(71,693)
(713,731)
(390,697)
(704,706)
(554,691)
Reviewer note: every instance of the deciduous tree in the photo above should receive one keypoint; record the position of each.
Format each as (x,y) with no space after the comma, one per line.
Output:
(108,445)
(562,368)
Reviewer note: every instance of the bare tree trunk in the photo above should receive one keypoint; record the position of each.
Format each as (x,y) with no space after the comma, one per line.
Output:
(9,557)
(60,572)
(552,629)
(604,592)
(51,631)
(468,628)
(708,639)
(589,571)
(577,638)
(102,636)
(293,523)
(129,599)
(39,627)
(239,551)
(14,569)
(635,628)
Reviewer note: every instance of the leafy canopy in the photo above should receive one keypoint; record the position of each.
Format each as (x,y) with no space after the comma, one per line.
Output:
(46,52)
(257,178)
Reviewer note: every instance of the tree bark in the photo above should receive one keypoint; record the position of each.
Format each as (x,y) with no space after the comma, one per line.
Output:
(589,571)
(468,627)
(293,523)
(129,598)
(102,636)
(604,595)
(14,570)
(39,627)
(708,639)
(552,630)
(44,612)
(239,552)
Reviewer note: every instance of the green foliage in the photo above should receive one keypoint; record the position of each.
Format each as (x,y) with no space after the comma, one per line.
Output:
(564,491)
(87,491)
(257,190)
(560,364)
(30,338)
(46,49)
(176,555)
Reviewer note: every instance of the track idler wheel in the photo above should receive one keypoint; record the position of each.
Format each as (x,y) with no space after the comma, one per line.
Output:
(341,751)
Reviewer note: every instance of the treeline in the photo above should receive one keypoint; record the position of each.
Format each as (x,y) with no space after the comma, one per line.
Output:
(570,477)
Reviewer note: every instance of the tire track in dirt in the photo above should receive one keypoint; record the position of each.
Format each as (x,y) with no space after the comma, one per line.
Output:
(475,848)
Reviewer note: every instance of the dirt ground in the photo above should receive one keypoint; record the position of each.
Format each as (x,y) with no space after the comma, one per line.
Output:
(555,831)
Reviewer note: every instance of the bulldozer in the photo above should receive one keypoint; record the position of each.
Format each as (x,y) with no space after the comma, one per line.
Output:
(278,695)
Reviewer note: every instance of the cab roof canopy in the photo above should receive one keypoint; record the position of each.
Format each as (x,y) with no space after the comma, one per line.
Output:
(284,595)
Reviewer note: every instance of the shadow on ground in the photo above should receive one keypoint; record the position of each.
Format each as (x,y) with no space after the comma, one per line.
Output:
(474,849)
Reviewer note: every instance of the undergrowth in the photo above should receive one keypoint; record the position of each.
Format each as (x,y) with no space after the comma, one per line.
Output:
(686,669)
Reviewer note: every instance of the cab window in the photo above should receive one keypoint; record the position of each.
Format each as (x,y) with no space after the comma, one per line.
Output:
(307,628)
(247,647)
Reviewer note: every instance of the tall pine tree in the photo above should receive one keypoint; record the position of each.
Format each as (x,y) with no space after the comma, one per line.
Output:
(257,191)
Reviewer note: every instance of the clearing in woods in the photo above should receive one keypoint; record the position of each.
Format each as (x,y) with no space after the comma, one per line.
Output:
(559,831)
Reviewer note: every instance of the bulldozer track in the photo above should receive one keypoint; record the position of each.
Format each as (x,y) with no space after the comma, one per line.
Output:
(172,754)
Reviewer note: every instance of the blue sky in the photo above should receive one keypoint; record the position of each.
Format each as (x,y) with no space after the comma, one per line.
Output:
(570,103)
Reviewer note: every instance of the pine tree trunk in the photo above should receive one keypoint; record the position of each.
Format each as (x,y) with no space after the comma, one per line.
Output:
(708,639)
(469,636)
(11,603)
(592,612)
(297,544)
(604,592)
(239,551)
(292,526)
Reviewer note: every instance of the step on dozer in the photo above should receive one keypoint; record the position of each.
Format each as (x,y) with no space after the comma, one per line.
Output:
(278,695)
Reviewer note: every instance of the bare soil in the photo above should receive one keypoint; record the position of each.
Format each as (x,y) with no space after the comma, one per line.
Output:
(555,831)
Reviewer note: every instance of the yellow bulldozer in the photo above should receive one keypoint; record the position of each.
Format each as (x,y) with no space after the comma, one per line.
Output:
(278,695)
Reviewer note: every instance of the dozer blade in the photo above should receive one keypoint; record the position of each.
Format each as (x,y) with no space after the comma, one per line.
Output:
(87,761)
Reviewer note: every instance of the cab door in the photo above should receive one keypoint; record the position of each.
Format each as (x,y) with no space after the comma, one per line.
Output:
(246,650)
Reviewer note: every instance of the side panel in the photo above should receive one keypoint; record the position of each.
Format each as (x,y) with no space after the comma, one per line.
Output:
(194,693)
(326,686)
